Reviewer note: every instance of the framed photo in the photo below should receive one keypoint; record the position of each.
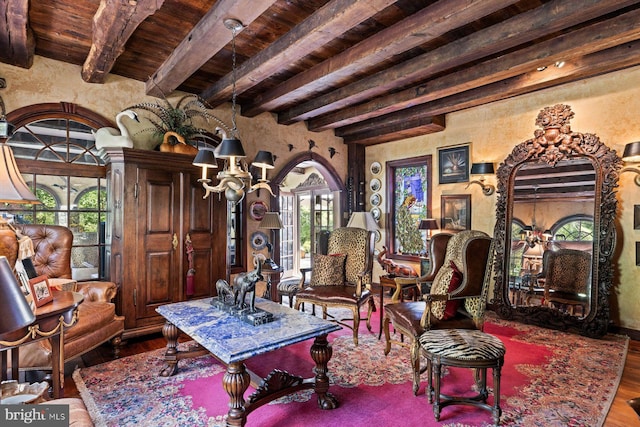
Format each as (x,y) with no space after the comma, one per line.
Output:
(638,254)
(636,217)
(455,212)
(257,210)
(453,164)
(40,290)
(408,200)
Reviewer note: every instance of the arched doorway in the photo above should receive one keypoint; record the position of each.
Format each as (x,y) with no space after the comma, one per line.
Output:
(310,199)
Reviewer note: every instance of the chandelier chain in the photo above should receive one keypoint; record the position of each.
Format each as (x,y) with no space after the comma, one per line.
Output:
(233,78)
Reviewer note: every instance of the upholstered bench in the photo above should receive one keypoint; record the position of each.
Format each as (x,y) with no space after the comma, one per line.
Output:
(465,349)
(288,287)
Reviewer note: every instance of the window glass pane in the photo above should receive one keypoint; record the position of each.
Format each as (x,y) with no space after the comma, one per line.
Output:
(85,261)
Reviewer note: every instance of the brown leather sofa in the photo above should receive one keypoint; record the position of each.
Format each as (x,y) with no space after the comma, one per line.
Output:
(97,320)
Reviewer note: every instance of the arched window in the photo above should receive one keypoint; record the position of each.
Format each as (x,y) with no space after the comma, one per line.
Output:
(55,151)
(574,228)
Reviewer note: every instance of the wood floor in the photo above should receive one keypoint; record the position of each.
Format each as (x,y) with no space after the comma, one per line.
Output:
(620,415)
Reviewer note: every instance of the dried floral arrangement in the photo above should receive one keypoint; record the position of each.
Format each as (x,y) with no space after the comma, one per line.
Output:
(182,117)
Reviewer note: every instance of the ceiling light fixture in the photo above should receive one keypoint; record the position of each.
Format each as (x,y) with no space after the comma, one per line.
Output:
(235,176)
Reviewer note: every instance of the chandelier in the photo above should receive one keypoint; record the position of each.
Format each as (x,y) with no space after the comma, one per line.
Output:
(235,177)
(529,234)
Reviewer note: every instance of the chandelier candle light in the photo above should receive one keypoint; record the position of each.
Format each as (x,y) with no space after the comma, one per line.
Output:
(235,175)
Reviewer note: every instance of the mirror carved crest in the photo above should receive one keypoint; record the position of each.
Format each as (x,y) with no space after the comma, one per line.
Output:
(555,146)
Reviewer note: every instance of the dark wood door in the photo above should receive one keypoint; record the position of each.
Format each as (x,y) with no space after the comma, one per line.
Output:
(158,240)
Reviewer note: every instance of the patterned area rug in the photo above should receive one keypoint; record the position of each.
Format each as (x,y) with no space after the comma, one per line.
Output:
(550,378)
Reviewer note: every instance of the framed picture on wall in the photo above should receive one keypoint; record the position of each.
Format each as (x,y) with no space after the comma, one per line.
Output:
(453,164)
(455,212)
(636,217)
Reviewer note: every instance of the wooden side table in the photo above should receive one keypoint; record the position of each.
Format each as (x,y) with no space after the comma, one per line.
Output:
(52,320)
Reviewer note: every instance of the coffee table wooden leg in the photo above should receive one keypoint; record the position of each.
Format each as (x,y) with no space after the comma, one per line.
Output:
(321,353)
(235,382)
(170,332)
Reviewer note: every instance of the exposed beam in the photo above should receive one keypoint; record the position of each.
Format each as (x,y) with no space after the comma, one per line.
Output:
(206,39)
(548,18)
(17,44)
(606,61)
(410,127)
(113,24)
(593,38)
(415,30)
(330,21)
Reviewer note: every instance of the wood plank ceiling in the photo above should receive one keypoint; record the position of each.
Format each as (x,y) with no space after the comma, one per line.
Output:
(372,70)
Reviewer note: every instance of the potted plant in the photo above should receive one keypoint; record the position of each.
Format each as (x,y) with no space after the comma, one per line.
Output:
(179,123)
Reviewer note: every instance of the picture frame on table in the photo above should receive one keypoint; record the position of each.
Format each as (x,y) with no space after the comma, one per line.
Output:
(40,290)
(455,212)
(453,164)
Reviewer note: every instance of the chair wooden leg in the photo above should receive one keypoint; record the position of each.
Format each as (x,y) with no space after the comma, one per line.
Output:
(415,365)
(372,307)
(387,336)
(356,325)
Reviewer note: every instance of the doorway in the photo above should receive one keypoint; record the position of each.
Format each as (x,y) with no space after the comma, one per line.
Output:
(309,201)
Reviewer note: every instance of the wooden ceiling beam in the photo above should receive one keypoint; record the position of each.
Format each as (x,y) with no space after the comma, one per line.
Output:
(113,24)
(207,38)
(330,21)
(584,41)
(554,16)
(17,43)
(410,127)
(415,30)
(606,61)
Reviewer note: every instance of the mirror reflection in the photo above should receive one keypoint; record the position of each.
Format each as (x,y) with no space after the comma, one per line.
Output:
(555,233)
(551,236)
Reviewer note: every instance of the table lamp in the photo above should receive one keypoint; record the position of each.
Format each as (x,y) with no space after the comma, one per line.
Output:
(271,221)
(16,313)
(363,220)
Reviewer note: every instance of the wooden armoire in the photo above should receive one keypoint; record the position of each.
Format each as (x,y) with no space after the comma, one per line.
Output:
(154,202)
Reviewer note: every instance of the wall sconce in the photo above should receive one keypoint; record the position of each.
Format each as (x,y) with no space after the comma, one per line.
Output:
(483,169)
(632,155)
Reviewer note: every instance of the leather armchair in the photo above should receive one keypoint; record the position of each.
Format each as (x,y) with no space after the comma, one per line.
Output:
(97,320)
(470,251)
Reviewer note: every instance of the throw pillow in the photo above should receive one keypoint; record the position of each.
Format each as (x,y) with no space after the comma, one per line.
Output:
(451,307)
(328,270)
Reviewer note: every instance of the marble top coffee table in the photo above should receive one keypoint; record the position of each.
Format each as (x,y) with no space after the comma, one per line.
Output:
(233,341)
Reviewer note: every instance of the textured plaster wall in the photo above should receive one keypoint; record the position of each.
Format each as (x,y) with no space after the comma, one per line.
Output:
(53,81)
(606,106)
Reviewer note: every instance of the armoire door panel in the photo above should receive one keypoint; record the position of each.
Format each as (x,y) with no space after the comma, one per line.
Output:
(159,200)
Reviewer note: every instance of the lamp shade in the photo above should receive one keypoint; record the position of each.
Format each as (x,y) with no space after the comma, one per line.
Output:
(632,152)
(363,220)
(482,169)
(231,147)
(16,313)
(205,159)
(264,159)
(271,221)
(13,189)
(428,224)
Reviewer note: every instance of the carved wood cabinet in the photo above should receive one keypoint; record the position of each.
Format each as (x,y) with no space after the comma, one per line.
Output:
(155,203)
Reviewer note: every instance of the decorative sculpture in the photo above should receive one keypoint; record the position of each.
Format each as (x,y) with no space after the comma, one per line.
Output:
(232,298)
(111,137)
(394,269)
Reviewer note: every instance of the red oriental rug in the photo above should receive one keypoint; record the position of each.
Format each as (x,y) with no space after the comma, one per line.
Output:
(550,378)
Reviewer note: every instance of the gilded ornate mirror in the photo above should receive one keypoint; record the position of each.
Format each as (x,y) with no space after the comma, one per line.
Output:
(555,232)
